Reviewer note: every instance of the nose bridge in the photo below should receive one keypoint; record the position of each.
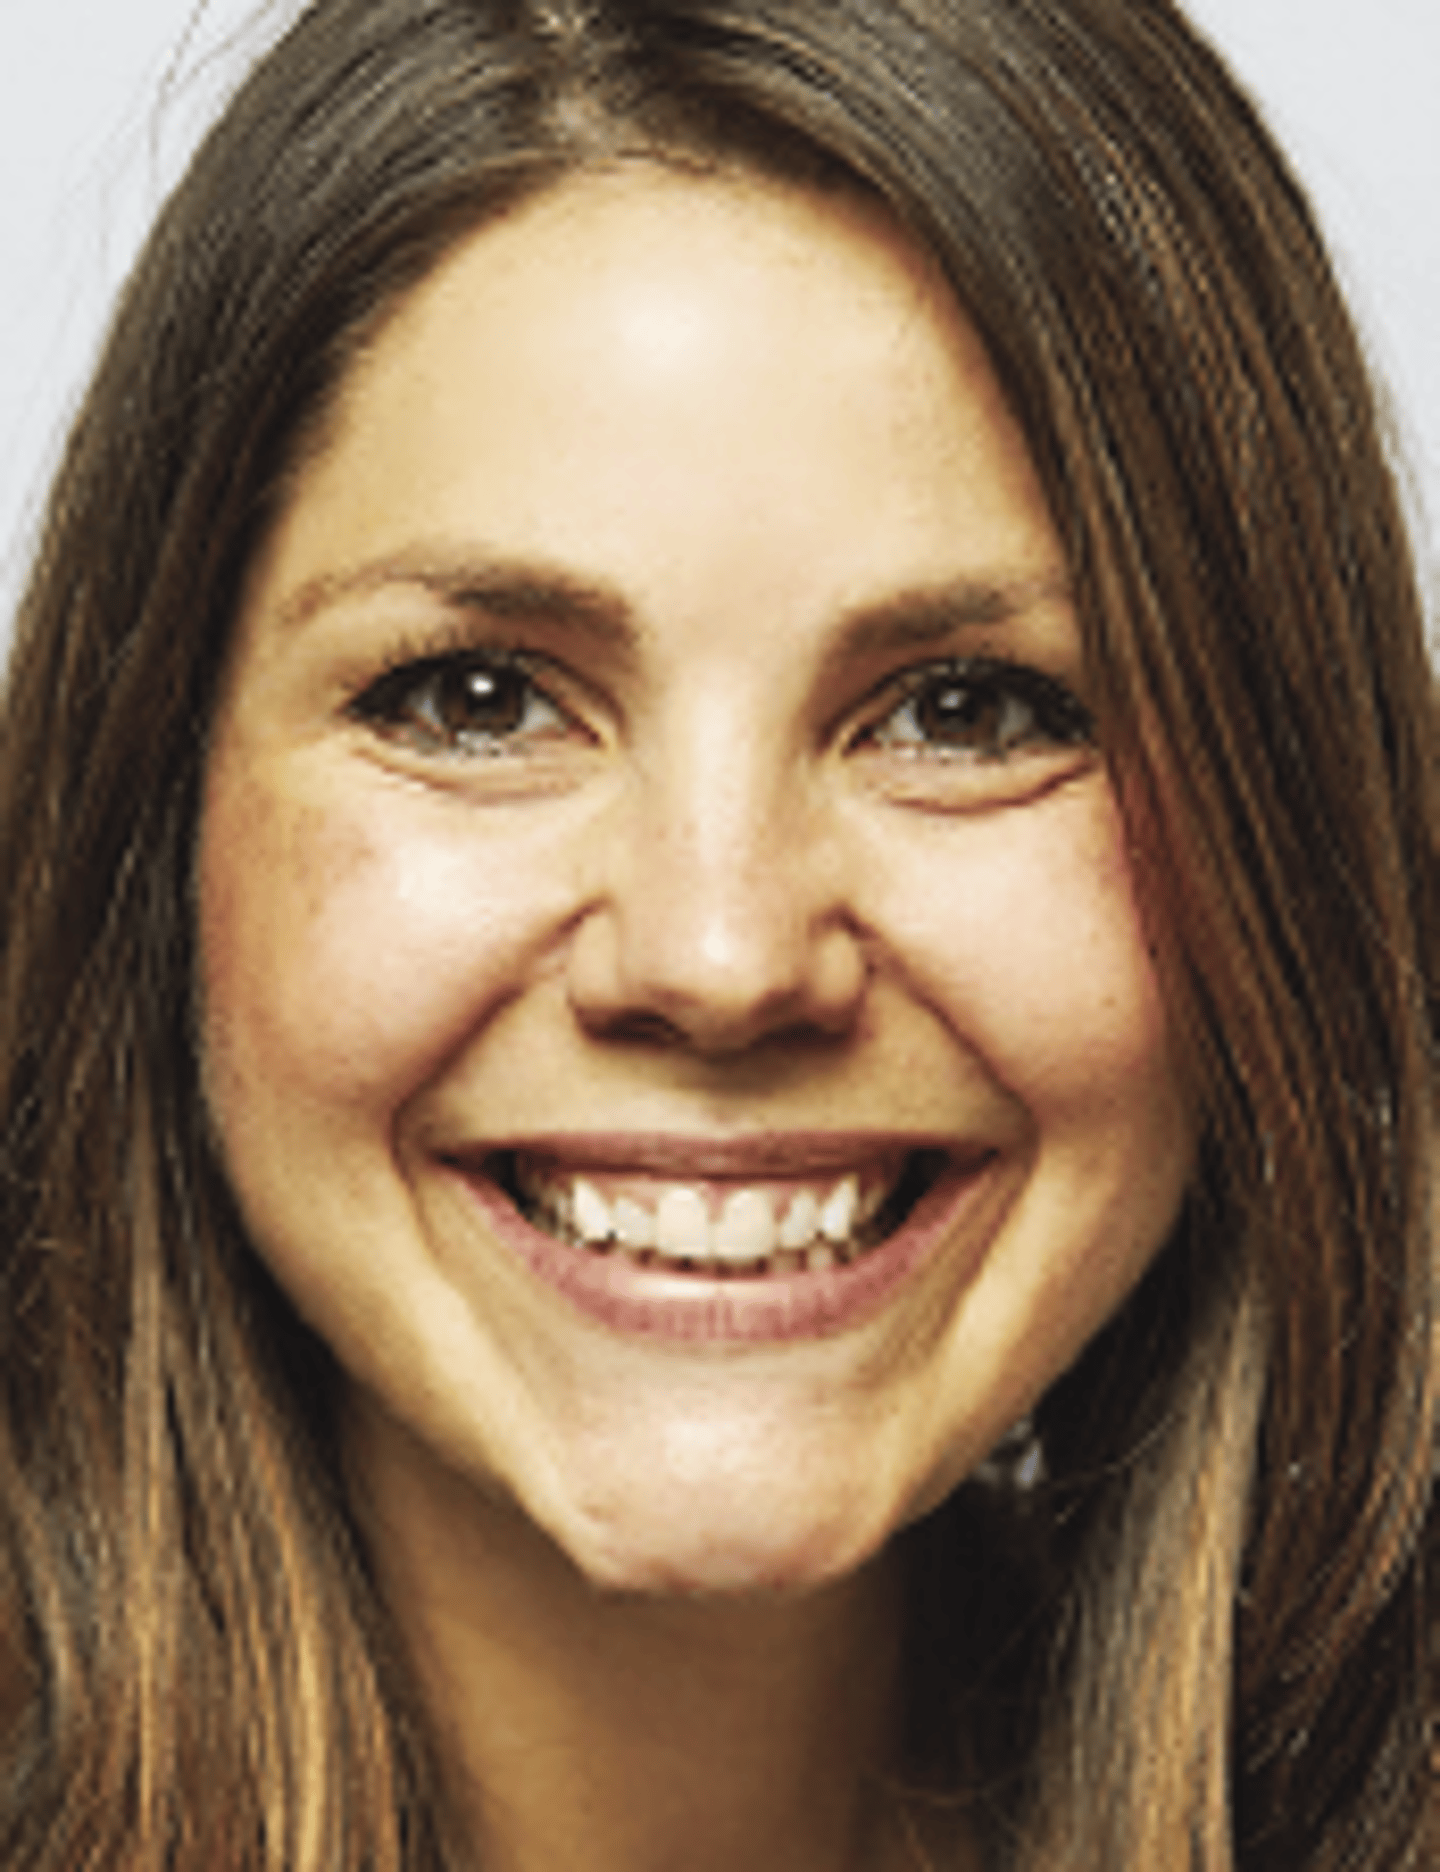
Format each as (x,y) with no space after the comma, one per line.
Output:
(730,851)
(723,915)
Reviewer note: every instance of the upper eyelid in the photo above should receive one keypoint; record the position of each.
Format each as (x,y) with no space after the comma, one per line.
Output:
(980,664)
(413,660)
(902,685)
(389,704)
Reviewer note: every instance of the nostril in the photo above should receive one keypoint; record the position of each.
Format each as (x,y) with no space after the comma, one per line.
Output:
(640,1027)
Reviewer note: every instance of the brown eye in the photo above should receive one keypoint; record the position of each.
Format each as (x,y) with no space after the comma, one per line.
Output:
(465,704)
(476,699)
(985,709)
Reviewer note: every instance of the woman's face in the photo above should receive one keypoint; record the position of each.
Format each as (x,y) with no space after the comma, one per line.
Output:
(675,1008)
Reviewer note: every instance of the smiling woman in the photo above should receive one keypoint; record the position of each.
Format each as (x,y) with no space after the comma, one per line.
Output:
(788,804)
(719,1023)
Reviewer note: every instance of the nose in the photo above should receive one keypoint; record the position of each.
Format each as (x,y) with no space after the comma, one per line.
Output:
(721,919)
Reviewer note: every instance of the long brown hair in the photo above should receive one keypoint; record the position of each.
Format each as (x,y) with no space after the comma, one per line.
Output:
(1222,1653)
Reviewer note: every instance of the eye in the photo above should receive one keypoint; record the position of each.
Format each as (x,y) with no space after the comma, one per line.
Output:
(973,734)
(981,709)
(464,702)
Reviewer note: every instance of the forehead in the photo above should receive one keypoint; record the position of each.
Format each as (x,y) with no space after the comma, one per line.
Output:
(642,228)
(666,385)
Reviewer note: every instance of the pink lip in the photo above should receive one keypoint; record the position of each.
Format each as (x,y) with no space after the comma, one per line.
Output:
(618,1293)
(670,1154)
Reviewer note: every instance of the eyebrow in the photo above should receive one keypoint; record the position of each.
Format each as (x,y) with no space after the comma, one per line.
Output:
(526,590)
(521,590)
(926,615)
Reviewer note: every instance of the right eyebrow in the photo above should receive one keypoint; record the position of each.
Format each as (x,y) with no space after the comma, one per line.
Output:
(501,588)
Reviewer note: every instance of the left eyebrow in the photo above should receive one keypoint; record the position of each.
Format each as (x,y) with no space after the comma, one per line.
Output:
(928,615)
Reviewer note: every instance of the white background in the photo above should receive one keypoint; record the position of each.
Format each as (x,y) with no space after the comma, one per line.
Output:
(99,99)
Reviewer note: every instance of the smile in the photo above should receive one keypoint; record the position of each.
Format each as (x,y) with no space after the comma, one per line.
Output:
(723,1228)
(762,1241)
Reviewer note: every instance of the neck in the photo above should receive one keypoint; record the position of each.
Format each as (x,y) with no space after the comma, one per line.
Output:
(617,1731)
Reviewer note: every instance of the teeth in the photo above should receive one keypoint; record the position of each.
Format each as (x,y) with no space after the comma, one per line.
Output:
(682,1225)
(747,1232)
(591,1212)
(837,1218)
(802,1222)
(634,1226)
(746,1229)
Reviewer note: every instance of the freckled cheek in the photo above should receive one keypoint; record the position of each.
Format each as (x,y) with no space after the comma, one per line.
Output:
(1033,946)
(347,954)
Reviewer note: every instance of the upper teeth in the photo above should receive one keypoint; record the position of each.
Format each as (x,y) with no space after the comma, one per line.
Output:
(750,1224)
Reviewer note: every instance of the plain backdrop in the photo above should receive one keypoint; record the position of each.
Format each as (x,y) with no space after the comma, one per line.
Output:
(101,99)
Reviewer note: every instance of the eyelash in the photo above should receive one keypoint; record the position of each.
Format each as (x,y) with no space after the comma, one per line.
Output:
(996,709)
(421,698)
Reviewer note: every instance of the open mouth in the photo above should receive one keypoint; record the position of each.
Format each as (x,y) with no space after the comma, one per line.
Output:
(720,1228)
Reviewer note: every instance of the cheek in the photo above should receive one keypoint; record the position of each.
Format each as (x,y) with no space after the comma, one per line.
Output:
(1028,940)
(345,954)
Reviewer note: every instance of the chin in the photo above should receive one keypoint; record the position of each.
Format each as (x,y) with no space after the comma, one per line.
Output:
(737,1569)
(684,1548)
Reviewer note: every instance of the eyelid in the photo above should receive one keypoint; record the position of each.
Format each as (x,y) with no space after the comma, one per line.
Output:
(1069,720)
(995,762)
(398,677)
(407,664)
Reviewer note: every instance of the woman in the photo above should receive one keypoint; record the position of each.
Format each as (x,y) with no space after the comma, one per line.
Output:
(719,809)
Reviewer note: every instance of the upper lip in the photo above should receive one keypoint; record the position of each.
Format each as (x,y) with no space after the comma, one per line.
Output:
(683,1157)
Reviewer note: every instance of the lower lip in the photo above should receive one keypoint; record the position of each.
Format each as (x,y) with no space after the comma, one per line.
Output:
(619,1293)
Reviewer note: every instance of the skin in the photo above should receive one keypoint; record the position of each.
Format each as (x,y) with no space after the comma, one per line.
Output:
(712,885)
